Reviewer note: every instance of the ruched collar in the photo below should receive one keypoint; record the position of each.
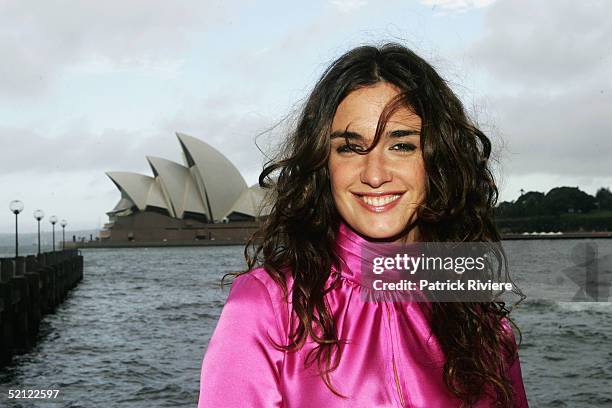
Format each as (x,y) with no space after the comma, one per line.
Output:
(356,254)
(351,250)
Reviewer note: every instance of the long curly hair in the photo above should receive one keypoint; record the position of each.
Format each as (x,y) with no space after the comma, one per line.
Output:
(299,234)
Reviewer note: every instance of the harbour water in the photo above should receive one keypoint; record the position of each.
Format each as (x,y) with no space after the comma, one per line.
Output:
(134,331)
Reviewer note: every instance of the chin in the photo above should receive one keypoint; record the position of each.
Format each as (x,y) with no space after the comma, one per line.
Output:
(382,231)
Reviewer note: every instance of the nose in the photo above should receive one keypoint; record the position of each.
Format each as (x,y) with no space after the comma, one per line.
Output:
(375,171)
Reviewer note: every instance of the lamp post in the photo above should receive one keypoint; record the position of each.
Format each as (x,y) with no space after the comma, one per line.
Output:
(53,221)
(63,223)
(16,207)
(39,215)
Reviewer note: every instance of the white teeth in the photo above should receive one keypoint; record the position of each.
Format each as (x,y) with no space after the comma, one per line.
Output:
(379,201)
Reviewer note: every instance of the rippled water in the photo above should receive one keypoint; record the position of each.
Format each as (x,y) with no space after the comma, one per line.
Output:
(133,333)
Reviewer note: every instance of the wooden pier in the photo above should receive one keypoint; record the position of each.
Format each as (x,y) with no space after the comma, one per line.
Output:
(31,287)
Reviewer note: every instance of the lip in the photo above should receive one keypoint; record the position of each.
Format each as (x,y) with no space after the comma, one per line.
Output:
(379,193)
(378,208)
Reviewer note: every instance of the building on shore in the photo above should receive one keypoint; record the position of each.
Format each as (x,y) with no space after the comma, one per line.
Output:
(204,199)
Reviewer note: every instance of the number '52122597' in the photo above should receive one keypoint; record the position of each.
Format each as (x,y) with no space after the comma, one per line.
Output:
(32,394)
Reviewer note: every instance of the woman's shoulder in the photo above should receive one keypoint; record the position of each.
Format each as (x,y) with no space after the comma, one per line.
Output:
(257,295)
(258,287)
(508,328)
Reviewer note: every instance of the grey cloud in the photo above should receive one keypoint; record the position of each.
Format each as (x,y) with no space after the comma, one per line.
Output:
(563,136)
(74,151)
(348,6)
(37,42)
(550,88)
(546,44)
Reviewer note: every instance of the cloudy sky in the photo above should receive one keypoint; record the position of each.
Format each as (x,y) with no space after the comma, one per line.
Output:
(90,86)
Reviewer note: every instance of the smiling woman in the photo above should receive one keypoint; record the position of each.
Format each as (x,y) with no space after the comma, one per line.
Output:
(382,152)
(376,188)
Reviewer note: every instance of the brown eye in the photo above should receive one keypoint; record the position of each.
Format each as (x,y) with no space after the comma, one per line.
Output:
(347,148)
(405,147)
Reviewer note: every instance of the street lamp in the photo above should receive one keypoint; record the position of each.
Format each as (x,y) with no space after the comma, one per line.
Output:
(39,215)
(53,221)
(63,223)
(16,207)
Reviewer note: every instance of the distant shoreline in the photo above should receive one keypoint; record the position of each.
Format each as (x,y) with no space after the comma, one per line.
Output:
(202,243)
(562,235)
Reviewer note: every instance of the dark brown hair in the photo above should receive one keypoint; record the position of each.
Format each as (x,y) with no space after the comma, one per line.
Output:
(300,232)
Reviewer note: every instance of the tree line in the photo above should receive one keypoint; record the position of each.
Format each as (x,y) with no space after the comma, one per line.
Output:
(558,201)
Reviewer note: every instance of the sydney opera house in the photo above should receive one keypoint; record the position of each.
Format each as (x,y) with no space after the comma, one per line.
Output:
(205,200)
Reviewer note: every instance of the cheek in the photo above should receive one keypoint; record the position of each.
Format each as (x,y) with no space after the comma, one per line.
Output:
(333,180)
(417,178)
(421,180)
(337,176)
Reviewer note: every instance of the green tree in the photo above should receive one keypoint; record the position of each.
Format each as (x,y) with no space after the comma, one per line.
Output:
(604,198)
(505,209)
(568,199)
(530,204)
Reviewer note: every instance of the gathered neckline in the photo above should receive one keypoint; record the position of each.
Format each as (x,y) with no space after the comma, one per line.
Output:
(351,249)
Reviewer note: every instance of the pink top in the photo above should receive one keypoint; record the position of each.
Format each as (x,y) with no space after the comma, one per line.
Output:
(241,367)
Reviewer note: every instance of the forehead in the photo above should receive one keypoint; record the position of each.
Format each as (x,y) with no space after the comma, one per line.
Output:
(361,109)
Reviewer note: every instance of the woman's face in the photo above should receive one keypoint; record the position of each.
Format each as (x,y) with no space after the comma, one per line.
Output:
(376,193)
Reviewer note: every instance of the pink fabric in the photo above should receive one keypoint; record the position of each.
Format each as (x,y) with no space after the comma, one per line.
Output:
(241,368)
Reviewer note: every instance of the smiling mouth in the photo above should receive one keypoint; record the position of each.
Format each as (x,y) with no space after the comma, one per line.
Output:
(378,203)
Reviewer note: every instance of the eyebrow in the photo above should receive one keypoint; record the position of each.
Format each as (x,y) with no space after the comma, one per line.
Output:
(356,136)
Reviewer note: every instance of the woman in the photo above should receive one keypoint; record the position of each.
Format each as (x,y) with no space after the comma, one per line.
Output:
(382,152)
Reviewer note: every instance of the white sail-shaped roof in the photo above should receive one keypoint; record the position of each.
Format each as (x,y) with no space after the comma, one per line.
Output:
(142,190)
(123,204)
(218,180)
(156,196)
(252,202)
(178,186)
